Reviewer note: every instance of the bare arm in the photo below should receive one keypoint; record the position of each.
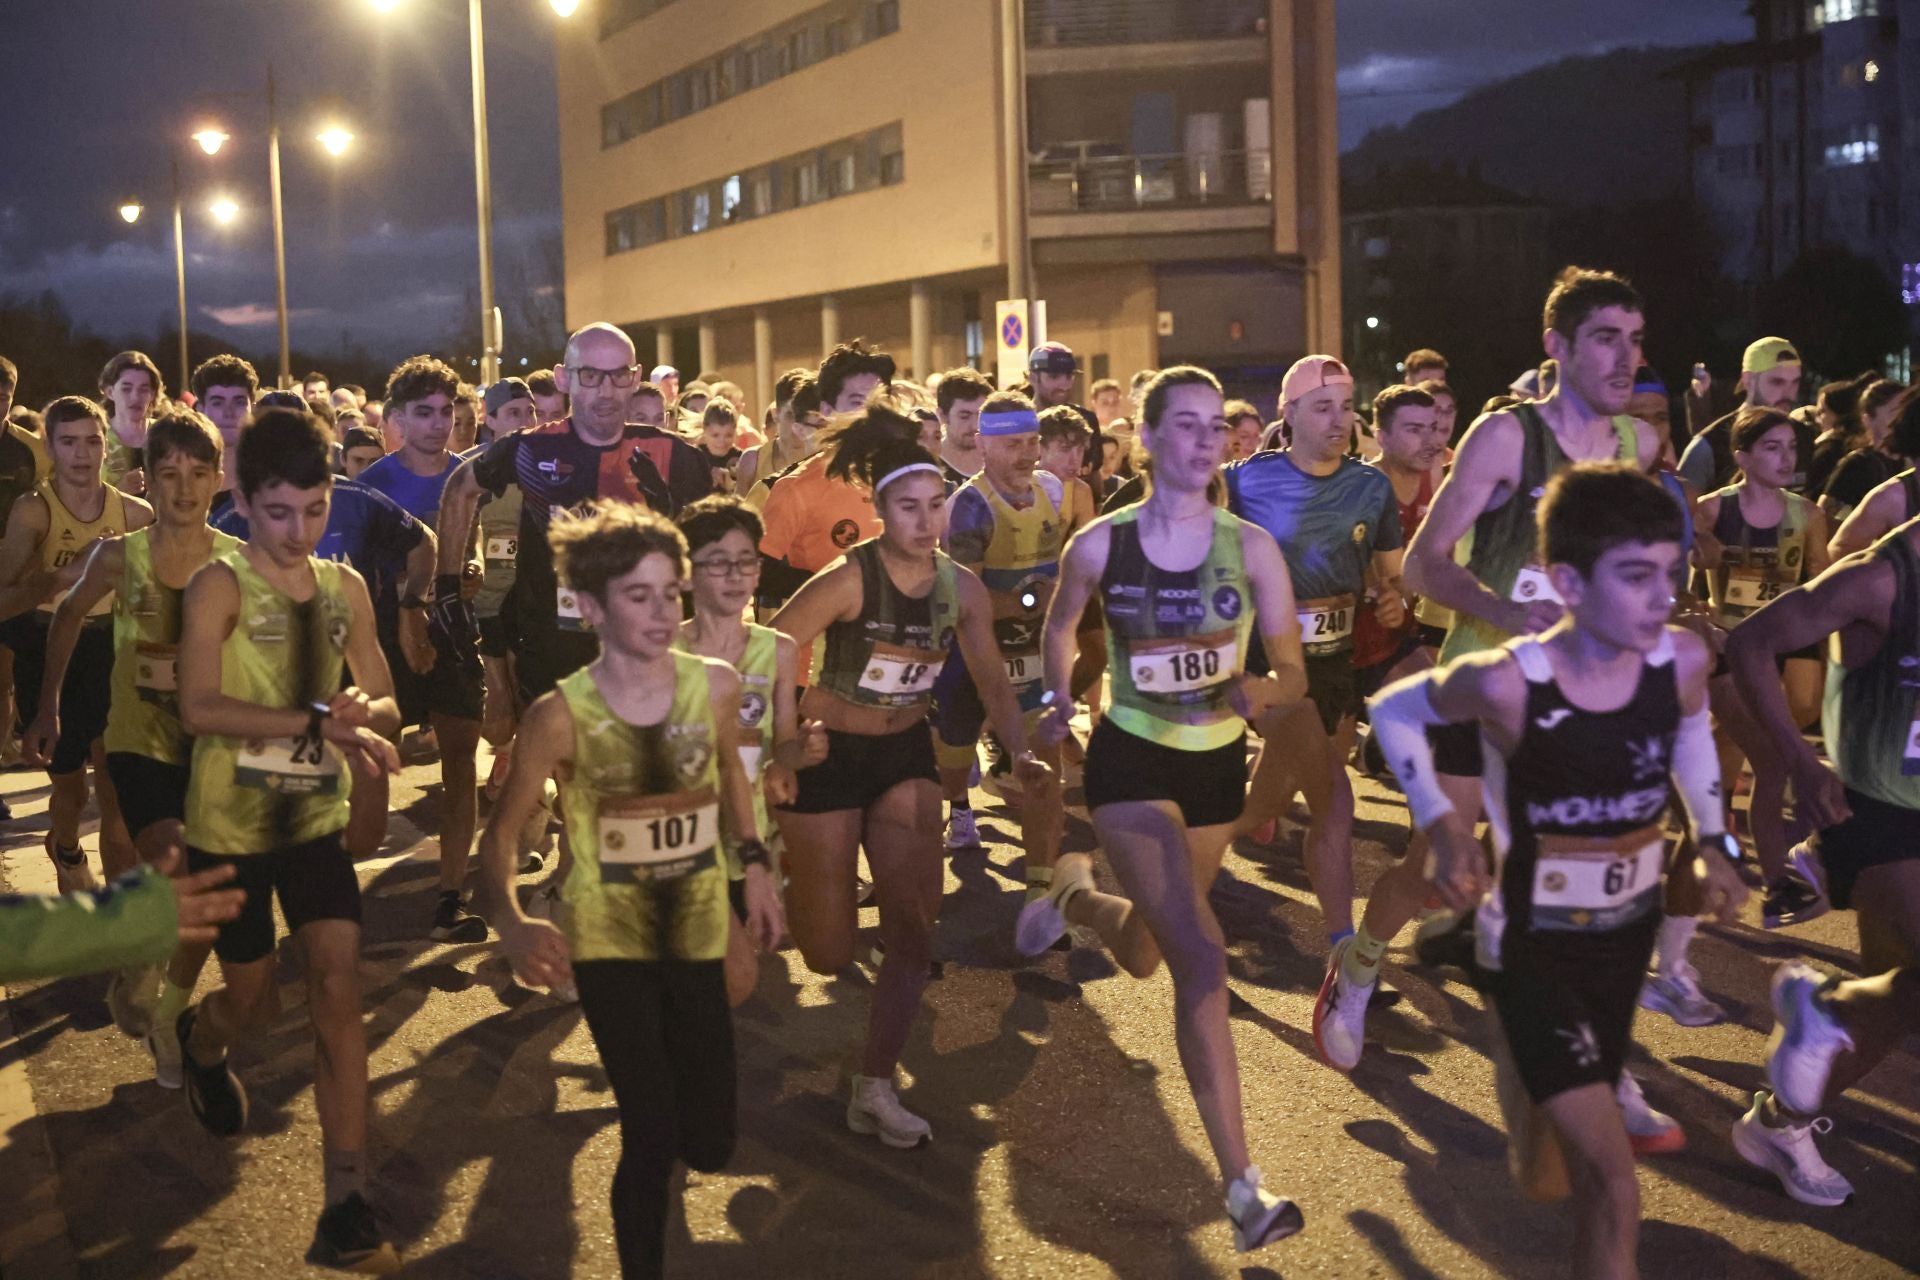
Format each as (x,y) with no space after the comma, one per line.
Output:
(27,584)
(1819,559)
(766,921)
(829,596)
(982,654)
(1274,614)
(139,514)
(1081,565)
(459,509)
(104,566)
(1487,462)
(1872,520)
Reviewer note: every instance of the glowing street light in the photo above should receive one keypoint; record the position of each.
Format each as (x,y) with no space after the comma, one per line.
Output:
(224,209)
(130,212)
(336,138)
(564,8)
(211,139)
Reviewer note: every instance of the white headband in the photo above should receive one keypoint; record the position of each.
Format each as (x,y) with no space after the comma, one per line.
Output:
(907,470)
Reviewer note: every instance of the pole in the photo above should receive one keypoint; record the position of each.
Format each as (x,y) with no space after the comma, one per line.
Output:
(483,190)
(180,273)
(1013,110)
(279,229)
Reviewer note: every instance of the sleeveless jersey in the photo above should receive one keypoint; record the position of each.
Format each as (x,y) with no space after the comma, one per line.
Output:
(144,716)
(1501,549)
(1019,564)
(1373,643)
(892,653)
(642,812)
(256,795)
(122,457)
(1576,809)
(1870,715)
(499,549)
(1176,637)
(1756,564)
(68,537)
(758,668)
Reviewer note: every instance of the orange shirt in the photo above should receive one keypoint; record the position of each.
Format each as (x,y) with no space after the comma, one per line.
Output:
(811,520)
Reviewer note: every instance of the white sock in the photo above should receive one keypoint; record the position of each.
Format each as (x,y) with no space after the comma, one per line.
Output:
(1676,935)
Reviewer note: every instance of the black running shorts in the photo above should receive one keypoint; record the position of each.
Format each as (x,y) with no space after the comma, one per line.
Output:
(862,767)
(85,694)
(1209,787)
(315,881)
(1877,834)
(1566,1004)
(1334,688)
(1456,749)
(149,790)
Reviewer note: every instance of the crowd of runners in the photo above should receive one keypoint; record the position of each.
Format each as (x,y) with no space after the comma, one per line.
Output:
(741,673)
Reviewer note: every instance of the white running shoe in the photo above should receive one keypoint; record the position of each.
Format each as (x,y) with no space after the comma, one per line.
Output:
(875,1109)
(1788,1152)
(1259,1217)
(1803,859)
(1651,1132)
(1806,1039)
(963,831)
(164,1044)
(131,997)
(1677,994)
(72,872)
(545,903)
(1043,921)
(1340,1012)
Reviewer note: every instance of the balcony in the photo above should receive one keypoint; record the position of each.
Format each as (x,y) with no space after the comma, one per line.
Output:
(1093,190)
(1101,37)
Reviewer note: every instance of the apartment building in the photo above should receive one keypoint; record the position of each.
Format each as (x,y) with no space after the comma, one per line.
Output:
(746,182)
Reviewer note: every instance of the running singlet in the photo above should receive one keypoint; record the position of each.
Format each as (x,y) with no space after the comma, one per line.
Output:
(1017,551)
(23,465)
(69,537)
(1373,643)
(1501,550)
(1756,565)
(256,795)
(1328,528)
(499,550)
(758,667)
(811,520)
(365,528)
(1176,638)
(892,653)
(144,715)
(122,457)
(642,811)
(1576,808)
(1870,715)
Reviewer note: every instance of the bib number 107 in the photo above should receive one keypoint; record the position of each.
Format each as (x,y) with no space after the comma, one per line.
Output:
(1191,665)
(674,831)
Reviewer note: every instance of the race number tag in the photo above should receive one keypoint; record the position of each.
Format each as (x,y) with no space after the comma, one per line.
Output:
(1183,664)
(296,766)
(1023,670)
(569,611)
(1910,761)
(1750,588)
(1591,883)
(898,675)
(1326,625)
(155,677)
(503,548)
(654,839)
(1532,583)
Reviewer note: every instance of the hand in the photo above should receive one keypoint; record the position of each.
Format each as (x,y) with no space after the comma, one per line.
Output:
(453,619)
(134,482)
(1056,722)
(782,787)
(1252,697)
(1456,864)
(766,919)
(471,580)
(36,744)
(370,754)
(1032,771)
(1702,380)
(202,909)
(1390,609)
(1533,617)
(538,953)
(813,743)
(351,706)
(1720,884)
(1819,795)
(415,645)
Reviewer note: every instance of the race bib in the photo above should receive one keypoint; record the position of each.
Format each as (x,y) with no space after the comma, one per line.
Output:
(569,611)
(896,674)
(1326,625)
(1532,583)
(1183,664)
(506,547)
(1023,670)
(1751,588)
(1910,761)
(654,839)
(298,766)
(155,677)
(1591,883)
(750,757)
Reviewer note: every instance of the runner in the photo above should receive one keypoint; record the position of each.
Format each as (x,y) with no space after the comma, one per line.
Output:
(1591,724)
(1423,364)
(550,403)
(788,442)
(1412,443)
(510,408)
(1897,500)
(961,394)
(680,462)
(1052,368)
(223,389)
(1830,1032)
(719,425)
(652,799)
(1166,768)
(131,389)
(265,633)
(24,465)
(1770,374)
(1875,462)
(147,751)
(887,610)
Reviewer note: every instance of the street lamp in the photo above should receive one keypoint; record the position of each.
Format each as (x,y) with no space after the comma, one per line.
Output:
(211,139)
(130,212)
(224,209)
(336,139)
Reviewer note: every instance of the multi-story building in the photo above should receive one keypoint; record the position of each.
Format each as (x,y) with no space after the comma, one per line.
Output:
(746,182)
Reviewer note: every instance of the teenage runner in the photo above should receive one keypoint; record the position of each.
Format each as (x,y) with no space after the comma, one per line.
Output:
(958,401)
(1412,444)
(131,389)
(510,408)
(1166,770)
(223,389)
(266,631)
(1897,500)
(788,442)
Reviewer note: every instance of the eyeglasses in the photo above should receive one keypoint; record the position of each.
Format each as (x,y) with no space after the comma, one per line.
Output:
(745,567)
(588,376)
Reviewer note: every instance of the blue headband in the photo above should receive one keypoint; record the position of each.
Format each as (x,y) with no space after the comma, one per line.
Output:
(1646,381)
(1009,422)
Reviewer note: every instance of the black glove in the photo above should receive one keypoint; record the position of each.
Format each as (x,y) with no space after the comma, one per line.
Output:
(453,628)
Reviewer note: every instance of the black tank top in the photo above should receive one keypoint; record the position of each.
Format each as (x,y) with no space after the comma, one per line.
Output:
(1576,808)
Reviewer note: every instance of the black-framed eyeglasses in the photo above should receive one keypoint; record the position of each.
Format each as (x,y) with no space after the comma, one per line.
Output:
(588,376)
(747,566)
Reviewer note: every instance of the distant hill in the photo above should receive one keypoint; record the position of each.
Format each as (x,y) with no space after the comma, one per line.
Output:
(1606,129)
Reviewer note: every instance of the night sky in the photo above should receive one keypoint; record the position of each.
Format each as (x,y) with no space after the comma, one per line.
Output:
(380,246)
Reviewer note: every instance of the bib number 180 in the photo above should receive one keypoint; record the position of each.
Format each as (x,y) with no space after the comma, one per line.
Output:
(1191,665)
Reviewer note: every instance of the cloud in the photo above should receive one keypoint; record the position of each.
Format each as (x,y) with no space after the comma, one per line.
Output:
(254,315)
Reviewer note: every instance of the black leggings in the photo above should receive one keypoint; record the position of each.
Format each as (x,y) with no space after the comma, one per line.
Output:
(665,1035)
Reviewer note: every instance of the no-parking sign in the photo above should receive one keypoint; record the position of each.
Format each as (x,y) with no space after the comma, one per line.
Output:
(1013,331)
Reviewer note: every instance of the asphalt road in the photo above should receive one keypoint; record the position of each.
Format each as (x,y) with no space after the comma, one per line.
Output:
(1065,1143)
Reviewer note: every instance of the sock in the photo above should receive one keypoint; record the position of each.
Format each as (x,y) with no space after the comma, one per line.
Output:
(173,1002)
(960,806)
(1334,938)
(73,856)
(346,1173)
(1039,882)
(1676,935)
(1362,963)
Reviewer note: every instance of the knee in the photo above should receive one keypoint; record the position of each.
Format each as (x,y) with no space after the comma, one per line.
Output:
(335,992)
(825,956)
(1198,964)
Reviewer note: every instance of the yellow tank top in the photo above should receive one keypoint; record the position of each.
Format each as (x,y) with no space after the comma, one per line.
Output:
(69,537)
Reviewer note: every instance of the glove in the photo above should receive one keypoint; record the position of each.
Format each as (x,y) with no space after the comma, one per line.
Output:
(454,629)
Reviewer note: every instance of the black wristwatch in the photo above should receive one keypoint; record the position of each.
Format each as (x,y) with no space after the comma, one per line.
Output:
(317,713)
(413,600)
(1727,843)
(751,853)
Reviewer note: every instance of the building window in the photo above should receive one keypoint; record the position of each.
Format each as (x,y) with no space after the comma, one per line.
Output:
(839,36)
(1870,71)
(730,208)
(885,18)
(1910,283)
(1859,145)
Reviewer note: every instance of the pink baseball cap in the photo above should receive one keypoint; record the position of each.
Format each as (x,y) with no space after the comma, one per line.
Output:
(1309,374)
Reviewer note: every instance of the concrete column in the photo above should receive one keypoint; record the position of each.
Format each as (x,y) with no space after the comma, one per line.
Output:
(709,347)
(663,345)
(829,322)
(762,359)
(920,329)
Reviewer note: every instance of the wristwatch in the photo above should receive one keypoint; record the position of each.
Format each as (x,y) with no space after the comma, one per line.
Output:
(1727,843)
(751,853)
(317,713)
(413,600)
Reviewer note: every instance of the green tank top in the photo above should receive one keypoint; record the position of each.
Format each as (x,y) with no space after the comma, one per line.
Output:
(144,716)
(256,795)
(1756,565)
(891,654)
(1502,548)
(1868,715)
(1175,639)
(642,812)
(499,549)
(758,668)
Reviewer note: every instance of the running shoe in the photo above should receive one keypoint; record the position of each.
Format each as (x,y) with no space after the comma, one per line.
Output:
(163,1042)
(214,1093)
(1445,938)
(1788,1152)
(1340,1012)
(875,1109)
(347,1238)
(6,810)
(1259,1217)
(862,892)
(1803,860)
(452,922)
(963,831)
(1791,900)
(877,955)
(1043,922)
(1677,994)
(71,870)
(1651,1132)
(1806,1039)
(131,996)
(532,862)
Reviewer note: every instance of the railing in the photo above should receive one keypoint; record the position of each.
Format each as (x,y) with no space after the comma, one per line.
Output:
(1180,180)
(1053,23)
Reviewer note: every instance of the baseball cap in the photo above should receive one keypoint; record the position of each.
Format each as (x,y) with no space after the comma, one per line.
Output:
(662,371)
(281,400)
(505,392)
(1768,353)
(1052,357)
(1309,374)
(361,438)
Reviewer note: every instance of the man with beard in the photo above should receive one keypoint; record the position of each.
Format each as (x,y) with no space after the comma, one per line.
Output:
(1770,374)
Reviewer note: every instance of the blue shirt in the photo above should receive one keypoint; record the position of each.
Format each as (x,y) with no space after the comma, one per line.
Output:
(365,528)
(1328,527)
(418,495)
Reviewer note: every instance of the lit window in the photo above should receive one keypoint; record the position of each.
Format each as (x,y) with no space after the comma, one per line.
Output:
(1910,283)
(1872,71)
(730,199)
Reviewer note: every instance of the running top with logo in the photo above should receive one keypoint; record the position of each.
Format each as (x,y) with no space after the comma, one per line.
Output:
(69,537)
(1870,715)
(1502,548)
(892,653)
(1373,643)
(144,715)
(1576,809)
(256,795)
(1756,565)
(758,668)
(499,550)
(419,497)
(811,519)
(642,812)
(1177,637)
(1016,552)
(365,528)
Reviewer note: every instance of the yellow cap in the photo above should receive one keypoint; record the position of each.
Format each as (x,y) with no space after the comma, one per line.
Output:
(1768,353)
